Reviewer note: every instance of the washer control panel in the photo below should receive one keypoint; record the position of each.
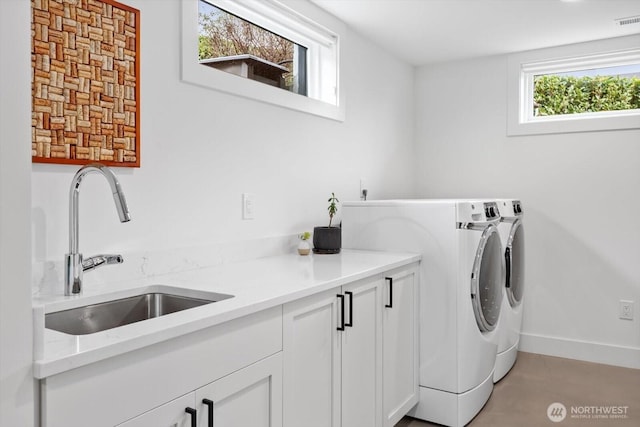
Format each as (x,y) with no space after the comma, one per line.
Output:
(517,207)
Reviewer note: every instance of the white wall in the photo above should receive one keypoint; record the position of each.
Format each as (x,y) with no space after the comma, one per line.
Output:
(202,149)
(581,200)
(16,379)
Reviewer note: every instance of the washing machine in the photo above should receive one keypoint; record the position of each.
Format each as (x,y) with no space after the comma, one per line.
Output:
(461,279)
(510,323)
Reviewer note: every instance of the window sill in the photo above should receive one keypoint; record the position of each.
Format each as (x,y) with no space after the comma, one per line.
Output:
(574,124)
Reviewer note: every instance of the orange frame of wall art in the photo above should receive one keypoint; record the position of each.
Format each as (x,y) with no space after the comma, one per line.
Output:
(85,57)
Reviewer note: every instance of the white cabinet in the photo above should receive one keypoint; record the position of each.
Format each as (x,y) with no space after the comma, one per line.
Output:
(312,354)
(249,397)
(351,354)
(400,344)
(236,362)
(345,357)
(361,354)
(172,414)
(332,346)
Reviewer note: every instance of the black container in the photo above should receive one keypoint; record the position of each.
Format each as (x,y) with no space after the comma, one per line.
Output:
(327,240)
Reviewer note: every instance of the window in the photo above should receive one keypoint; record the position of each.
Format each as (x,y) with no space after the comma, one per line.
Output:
(591,90)
(235,45)
(577,93)
(285,57)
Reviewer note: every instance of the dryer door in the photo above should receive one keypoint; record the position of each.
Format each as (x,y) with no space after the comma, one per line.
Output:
(487,279)
(514,261)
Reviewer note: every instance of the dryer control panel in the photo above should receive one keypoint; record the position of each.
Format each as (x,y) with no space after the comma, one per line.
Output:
(510,209)
(477,211)
(491,211)
(517,207)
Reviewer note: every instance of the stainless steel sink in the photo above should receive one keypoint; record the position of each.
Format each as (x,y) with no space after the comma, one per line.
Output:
(93,318)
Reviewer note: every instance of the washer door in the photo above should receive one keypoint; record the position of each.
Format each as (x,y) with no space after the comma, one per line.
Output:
(514,261)
(487,279)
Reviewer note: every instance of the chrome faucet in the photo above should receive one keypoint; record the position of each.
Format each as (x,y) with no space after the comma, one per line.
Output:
(74,264)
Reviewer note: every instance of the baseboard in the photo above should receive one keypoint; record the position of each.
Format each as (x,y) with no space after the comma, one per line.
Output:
(608,354)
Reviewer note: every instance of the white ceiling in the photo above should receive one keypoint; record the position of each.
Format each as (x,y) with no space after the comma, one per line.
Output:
(428,31)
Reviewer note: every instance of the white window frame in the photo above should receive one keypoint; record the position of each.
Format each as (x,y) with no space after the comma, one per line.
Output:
(523,67)
(301,26)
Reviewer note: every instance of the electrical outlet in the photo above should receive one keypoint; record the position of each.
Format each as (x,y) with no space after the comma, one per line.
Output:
(626,310)
(248,206)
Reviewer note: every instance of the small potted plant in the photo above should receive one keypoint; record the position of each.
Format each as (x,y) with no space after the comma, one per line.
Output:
(304,247)
(328,240)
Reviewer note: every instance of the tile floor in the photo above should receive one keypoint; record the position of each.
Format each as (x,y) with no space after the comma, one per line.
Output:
(522,397)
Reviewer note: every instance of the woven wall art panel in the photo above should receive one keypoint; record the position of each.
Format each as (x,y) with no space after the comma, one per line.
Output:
(85,57)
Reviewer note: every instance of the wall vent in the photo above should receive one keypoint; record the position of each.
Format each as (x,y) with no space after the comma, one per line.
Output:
(628,21)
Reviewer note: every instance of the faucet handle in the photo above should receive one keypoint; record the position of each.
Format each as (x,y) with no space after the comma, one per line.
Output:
(101,260)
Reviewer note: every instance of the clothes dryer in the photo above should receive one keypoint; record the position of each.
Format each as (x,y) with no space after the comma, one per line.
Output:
(510,323)
(461,279)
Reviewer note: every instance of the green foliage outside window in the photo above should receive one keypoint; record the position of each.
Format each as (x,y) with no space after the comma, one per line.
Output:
(554,95)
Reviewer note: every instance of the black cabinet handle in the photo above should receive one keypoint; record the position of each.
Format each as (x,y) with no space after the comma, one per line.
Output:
(350,324)
(194,416)
(209,404)
(390,305)
(341,328)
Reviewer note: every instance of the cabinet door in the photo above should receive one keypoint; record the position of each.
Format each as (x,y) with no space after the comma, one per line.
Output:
(362,355)
(400,345)
(171,414)
(311,348)
(249,397)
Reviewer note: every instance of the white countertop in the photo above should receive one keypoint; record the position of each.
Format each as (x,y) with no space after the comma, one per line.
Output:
(255,285)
